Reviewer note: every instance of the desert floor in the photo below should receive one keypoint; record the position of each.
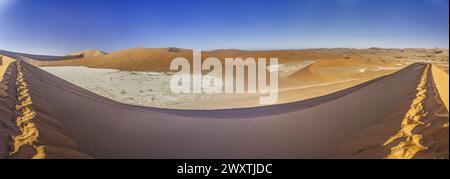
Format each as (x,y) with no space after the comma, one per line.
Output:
(152,88)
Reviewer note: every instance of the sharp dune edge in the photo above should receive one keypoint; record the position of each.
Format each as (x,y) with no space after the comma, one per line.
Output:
(401,115)
(411,144)
(29,132)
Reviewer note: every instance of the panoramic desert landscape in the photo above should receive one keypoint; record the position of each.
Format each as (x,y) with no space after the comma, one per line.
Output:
(96,105)
(141,76)
(251,80)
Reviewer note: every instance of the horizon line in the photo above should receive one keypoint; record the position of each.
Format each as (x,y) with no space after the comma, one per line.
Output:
(219,49)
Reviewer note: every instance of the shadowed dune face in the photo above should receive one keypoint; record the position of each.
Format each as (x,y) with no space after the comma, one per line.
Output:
(31,57)
(6,102)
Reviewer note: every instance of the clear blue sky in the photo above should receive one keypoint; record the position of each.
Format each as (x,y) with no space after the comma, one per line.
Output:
(63,26)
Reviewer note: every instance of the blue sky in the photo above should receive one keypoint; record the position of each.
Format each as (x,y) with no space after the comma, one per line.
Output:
(64,26)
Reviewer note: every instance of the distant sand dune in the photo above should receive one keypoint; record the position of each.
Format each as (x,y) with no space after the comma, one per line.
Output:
(158,59)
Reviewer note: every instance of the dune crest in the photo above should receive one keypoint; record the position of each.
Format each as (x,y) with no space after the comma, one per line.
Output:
(89,53)
(29,132)
(407,148)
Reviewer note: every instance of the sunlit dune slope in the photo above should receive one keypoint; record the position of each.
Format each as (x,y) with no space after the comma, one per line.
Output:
(4,63)
(342,69)
(441,80)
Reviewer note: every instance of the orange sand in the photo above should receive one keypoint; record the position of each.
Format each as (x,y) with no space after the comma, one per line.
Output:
(441,80)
